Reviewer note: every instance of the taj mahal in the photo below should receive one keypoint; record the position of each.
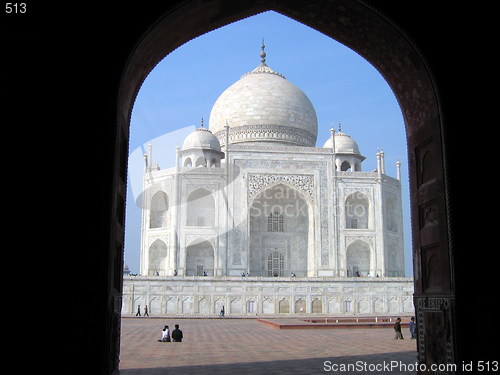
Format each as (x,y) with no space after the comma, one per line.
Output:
(255,217)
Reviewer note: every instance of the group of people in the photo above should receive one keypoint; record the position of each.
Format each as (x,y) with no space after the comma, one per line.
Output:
(176,334)
(412,326)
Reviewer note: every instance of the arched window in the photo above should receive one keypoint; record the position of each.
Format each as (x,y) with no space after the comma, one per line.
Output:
(317,306)
(300,306)
(284,306)
(276,264)
(188,163)
(345,166)
(201,209)
(201,162)
(275,222)
(158,213)
(356,211)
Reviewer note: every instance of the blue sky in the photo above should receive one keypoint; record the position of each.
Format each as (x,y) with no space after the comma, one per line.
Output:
(342,86)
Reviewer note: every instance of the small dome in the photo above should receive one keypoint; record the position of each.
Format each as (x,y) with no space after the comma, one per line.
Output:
(201,138)
(344,144)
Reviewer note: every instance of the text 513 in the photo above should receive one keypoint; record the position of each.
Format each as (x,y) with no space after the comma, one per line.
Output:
(15,8)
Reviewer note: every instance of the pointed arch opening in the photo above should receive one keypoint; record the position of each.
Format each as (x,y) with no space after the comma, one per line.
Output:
(158,252)
(200,259)
(358,259)
(346,166)
(158,214)
(281,232)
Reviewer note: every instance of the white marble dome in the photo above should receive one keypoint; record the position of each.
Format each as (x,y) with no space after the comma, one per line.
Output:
(263,106)
(344,144)
(201,138)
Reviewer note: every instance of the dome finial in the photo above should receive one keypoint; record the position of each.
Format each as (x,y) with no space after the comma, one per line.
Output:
(202,126)
(340,127)
(263,54)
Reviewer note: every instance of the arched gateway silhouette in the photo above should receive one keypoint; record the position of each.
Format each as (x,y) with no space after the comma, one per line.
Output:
(156,32)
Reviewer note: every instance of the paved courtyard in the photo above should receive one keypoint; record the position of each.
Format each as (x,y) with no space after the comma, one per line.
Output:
(244,346)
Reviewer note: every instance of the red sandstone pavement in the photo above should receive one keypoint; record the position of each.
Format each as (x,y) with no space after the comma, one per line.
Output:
(244,346)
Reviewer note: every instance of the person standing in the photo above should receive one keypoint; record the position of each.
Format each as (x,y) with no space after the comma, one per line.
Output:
(397,330)
(138,311)
(146,311)
(177,334)
(413,328)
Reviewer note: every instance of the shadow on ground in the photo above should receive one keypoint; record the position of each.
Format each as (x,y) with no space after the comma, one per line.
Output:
(385,363)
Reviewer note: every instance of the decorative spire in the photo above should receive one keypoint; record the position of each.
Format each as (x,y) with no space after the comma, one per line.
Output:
(263,68)
(340,127)
(263,54)
(202,126)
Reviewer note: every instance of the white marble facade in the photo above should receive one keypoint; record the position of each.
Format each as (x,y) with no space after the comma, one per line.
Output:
(257,296)
(268,205)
